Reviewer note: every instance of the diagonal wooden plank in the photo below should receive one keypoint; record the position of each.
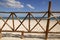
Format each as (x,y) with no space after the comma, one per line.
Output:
(6,21)
(56,18)
(21,22)
(53,26)
(39,21)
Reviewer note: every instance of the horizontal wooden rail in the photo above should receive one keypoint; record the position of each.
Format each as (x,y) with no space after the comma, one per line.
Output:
(30,12)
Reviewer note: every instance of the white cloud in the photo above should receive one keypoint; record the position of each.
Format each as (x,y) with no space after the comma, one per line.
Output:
(12,3)
(30,6)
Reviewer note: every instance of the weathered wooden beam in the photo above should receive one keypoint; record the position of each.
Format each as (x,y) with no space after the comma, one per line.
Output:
(31,12)
(37,22)
(29,21)
(48,20)
(6,21)
(0,34)
(53,26)
(13,21)
(21,23)
(22,34)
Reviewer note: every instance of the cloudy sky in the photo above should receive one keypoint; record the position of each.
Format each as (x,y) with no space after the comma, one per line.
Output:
(28,5)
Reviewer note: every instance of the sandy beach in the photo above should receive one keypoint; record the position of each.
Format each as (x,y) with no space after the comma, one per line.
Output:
(29,36)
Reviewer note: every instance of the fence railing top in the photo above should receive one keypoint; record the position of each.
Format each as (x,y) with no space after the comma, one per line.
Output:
(31,12)
(22,12)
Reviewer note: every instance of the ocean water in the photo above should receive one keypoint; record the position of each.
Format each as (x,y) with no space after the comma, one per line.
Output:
(36,15)
(45,18)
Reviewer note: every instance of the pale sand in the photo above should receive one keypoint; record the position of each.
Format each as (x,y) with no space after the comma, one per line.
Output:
(33,22)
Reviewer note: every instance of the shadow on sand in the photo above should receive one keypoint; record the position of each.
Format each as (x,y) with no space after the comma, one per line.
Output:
(31,36)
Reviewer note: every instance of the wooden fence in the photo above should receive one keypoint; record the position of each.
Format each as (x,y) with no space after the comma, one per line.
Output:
(29,29)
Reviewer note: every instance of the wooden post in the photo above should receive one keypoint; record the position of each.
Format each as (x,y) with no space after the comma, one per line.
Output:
(0,34)
(48,20)
(29,22)
(13,20)
(22,34)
